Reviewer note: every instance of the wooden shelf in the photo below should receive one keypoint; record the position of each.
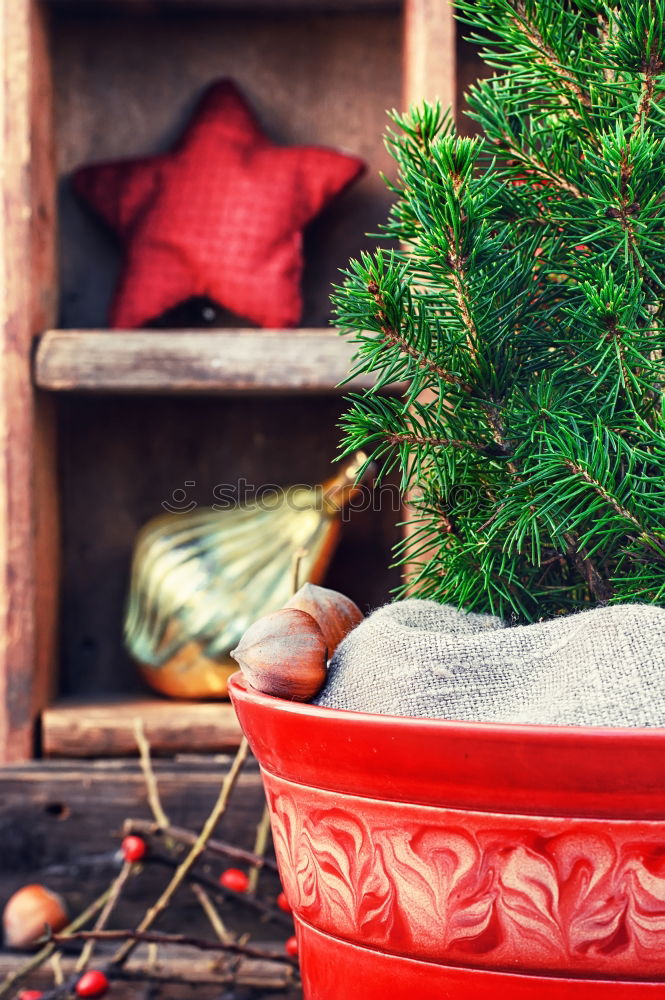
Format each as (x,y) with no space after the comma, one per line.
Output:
(219,361)
(123,419)
(240,6)
(94,728)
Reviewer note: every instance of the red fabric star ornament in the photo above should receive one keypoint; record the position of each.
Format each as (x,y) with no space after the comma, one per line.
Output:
(220,216)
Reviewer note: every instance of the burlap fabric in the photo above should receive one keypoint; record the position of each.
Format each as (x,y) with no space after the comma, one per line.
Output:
(604,667)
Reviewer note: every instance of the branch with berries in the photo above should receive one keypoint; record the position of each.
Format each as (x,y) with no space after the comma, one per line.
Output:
(35,917)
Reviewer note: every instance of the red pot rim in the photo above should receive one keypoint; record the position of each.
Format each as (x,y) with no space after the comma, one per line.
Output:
(529,731)
(502,767)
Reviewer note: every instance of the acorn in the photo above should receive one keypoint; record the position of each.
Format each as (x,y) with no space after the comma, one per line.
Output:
(29,912)
(335,614)
(284,654)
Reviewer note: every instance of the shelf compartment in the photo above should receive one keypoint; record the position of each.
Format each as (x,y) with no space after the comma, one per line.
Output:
(125,87)
(220,361)
(95,727)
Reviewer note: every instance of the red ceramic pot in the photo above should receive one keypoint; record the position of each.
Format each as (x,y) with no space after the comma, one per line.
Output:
(427,859)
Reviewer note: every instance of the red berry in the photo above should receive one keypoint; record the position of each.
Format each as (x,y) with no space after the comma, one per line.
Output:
(30,995)
(291,946)
(234,878)
(92,983)
(134,848)
(283,903)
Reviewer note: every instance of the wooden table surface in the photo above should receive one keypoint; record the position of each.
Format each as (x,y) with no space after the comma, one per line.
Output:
(61,825)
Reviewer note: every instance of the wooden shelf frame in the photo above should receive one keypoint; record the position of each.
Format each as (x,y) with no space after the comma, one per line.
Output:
(29,529)
(241,6)
(94,728)
(29,517)
(194,361)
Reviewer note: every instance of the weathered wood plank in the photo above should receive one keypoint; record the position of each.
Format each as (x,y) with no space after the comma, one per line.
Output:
(83,728)
(44,295)
(429,73)
(253,6)
(262,361)
(61,824)
(26,278)
(16,583)
(196,974)
(429,52)
(61,817)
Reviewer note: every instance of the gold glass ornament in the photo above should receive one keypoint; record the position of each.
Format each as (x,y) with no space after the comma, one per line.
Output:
(199,579)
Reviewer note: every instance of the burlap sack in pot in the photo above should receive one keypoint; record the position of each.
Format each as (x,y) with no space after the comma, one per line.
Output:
(604,667)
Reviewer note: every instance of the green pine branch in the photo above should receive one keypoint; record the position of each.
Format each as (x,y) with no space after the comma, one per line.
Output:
(520,310)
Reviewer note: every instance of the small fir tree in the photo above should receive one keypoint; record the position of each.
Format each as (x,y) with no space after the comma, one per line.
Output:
(522,306)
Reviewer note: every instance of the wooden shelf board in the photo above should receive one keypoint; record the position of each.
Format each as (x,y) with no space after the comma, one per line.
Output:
(268,979)
(240,6)
(77,727)
(194,361)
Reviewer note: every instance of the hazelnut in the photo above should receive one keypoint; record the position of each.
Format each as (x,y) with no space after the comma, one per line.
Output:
(29,912)
(284,654)
(335,614)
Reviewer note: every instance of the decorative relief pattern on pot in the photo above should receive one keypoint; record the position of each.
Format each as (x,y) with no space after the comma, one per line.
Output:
(539,893)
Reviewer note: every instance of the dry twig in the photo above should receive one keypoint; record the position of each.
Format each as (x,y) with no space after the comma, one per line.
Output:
(114,895)
(147,828)
(149,775)
(260,847)
(157,937)
(212,914)
(56,966)
(195,852)
(296,563)
(243,898)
